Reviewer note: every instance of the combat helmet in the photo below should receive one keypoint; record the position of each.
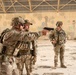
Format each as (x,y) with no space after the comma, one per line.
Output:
(17,21)
(59,23)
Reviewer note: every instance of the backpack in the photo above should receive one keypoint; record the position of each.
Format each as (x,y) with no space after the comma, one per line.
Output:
(3,33)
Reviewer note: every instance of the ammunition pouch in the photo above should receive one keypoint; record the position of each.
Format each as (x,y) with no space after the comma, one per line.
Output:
(4,50)
(22,52)
(60,42)
(32,52)
(3,58)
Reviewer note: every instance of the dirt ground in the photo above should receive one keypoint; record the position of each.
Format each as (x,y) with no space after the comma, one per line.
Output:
(45,59)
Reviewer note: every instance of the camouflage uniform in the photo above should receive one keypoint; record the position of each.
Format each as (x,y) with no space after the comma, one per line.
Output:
(32,43)
(26,47)
(8,60)
(29,58)
(59,48)
(33,48)
(34,52)
(25,53)
(10,41)
(24,57)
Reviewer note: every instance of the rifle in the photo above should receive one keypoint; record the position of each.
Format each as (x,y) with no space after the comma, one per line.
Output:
(48,28)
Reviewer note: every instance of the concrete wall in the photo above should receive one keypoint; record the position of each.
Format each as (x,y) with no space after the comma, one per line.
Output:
(40,20)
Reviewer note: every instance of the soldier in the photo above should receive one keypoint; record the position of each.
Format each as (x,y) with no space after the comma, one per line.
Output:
(58,39)
(10,43)
(33,42)
(25,55)
(28,57)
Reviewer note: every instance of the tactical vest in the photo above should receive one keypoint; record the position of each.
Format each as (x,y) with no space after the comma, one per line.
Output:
(24,48)
(10,41)
(59,36)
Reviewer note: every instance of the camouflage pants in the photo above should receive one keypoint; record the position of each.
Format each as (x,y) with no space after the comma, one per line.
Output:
(59,50)
(24,59)
(8,66)
(34,56)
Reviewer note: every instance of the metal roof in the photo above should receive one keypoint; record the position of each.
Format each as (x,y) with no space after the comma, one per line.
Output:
(28,6)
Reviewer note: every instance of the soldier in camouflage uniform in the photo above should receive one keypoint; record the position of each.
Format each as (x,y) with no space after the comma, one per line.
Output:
(27,57)
(58,39)
(33,43)
(11,47)
(24,53)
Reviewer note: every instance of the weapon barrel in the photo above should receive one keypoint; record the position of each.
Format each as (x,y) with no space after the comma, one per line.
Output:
(48,28)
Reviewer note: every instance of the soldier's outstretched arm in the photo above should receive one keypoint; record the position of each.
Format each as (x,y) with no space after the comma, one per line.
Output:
(36,35)
(29,36)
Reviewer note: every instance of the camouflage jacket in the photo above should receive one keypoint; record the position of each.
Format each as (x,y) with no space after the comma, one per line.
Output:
(58,36)
(11,38)
(30,45)
(14,36)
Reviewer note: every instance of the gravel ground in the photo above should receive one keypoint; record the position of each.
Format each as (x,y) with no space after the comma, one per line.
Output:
(45,57)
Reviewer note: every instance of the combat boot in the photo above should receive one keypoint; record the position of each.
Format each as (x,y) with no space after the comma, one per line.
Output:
(28,74)
(55,65)
(63,66)
(62,62)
